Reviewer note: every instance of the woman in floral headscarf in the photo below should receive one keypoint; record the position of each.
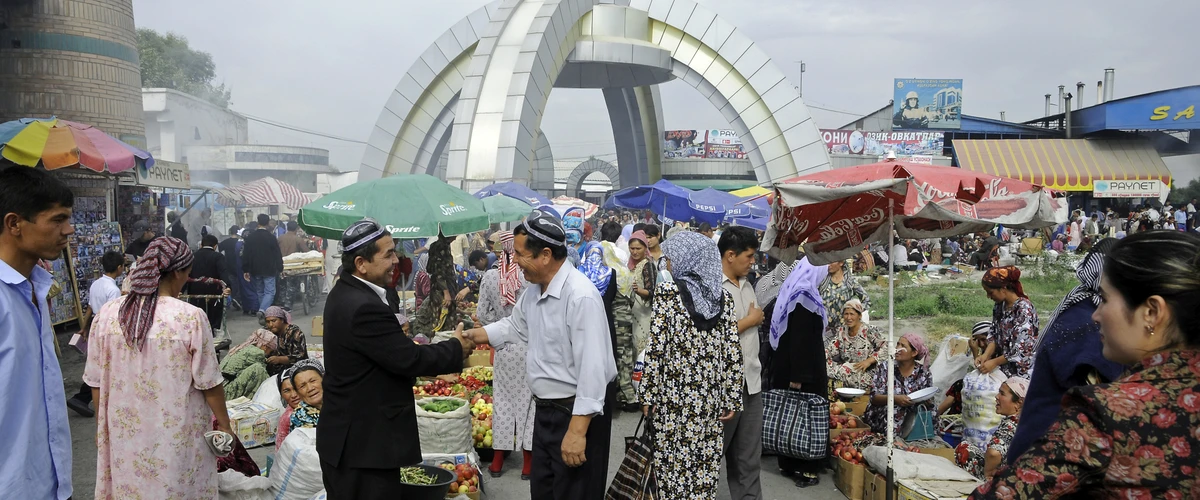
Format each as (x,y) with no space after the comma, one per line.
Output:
(156,380)
(912,374)
(512,422)
(644,275)
(439,311)
(693,375)
(1014,324)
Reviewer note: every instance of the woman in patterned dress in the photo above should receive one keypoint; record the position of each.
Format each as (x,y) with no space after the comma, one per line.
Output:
(1014,324)
(836,290)
(617,259)
(308,379)
(983,463)
(853,351)
(292,347)
(645,274)
(512,420)
(692,379)
(245,368)
(911,375)
(154,374)
(1137,436)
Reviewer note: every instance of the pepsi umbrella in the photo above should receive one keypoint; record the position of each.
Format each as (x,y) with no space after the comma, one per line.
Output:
(667,200)
(513,190)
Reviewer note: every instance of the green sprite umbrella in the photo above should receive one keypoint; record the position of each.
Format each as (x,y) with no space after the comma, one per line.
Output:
(410,206)
(502,208)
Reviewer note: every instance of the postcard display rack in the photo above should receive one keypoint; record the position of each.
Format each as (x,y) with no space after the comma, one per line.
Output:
(88,245)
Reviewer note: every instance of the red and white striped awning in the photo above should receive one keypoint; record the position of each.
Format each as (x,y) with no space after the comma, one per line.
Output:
(263,192)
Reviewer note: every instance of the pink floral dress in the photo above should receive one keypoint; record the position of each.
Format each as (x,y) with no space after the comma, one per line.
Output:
(1015,332)
(151,416)
(843,350)
(1134,438)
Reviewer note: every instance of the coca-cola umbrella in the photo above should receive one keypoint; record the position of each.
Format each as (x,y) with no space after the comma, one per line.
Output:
(835,213)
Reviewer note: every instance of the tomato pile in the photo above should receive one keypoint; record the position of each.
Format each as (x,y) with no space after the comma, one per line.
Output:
(466,478)
(843,422)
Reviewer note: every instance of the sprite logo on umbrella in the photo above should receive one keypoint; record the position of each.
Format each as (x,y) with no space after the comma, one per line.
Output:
(451,209)
(338,205)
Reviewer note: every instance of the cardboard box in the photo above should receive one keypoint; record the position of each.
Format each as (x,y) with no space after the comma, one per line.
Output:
(858,406)
(849,479)
(913,489)
(875,487)
(860,425)
(318,327)
(480,358)
(254,423)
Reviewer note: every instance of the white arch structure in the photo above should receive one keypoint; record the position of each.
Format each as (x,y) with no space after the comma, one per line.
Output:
(477,95)
(588,167)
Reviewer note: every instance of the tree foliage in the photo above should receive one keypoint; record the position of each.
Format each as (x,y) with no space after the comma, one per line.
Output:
(1186,193)
(168,62)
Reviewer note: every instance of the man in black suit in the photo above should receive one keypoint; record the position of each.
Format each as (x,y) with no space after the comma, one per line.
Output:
(209,263)
(228,248)
(368,425)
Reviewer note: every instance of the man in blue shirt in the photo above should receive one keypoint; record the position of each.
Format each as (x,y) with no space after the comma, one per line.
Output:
(35,223)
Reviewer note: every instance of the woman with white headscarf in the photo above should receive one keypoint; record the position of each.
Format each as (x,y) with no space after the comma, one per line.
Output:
(692,379)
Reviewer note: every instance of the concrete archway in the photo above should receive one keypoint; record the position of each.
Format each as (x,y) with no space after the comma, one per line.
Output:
(480,91)
(588,167)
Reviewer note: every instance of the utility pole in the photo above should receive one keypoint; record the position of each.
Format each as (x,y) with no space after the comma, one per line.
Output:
(801,87)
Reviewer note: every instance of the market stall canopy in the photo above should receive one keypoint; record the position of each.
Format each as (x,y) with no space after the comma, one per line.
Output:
(667,200)
(58,143)
(261,193)
(835,213)
(501,208)
(408,205)
(751,191)
(1064,164)
(513,190)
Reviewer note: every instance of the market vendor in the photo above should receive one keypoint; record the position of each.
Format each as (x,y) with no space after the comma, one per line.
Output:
(292,346)
(982,463)
(308,379)
(245,368)
(368,425)
(911,376)
(853,350)
(141,239)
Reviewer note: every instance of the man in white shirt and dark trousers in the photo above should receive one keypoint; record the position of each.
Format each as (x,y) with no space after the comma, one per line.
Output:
(570,363)
(743,435)
(102,291)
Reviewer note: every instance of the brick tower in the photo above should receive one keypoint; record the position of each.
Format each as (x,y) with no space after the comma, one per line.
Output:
(74,59)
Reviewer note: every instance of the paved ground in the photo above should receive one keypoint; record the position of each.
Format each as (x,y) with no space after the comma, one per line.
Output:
(508,487)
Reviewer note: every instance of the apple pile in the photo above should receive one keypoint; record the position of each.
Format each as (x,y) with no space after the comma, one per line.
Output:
(483,373)
(845,421)
(439,388)
(481,420)
(472,384)
(837,408)
(843,447)
(466,478)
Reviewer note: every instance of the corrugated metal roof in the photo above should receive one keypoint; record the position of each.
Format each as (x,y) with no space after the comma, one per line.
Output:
(1063,164)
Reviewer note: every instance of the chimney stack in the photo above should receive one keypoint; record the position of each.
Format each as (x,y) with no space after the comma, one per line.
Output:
(1067,114)
(1047,105)
(1099,91)
(1079,95)
(1062,91)
(1001,116)
(1110,76)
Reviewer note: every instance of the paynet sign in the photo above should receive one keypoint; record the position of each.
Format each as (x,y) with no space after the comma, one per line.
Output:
(1127,189)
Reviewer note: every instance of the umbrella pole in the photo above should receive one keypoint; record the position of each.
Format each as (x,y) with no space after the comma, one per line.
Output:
(891,411)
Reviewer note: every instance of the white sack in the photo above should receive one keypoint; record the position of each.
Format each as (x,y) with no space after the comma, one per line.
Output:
(948,369)
(445,432)
(296,474)
(268,393)
(233,485)
(979,406)
(909,465)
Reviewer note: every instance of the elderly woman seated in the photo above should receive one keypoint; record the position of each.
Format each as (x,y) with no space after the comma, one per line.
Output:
(853,350)
(982,463)
(911,375)
(292,346)
(245,368)
(306,379)
(290,399)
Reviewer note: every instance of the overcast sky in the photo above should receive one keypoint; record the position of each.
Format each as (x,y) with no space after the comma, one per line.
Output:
(330,66)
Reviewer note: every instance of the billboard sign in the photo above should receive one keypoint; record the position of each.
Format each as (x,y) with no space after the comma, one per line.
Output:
(684,143)
(927,104)
(724,144)
(879,143)
(1128,189)
(164,174)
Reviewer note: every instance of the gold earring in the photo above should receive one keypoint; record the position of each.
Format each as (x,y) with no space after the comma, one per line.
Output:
(1150,329)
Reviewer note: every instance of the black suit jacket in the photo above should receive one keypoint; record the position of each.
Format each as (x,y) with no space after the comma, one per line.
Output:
(208,264)
(368,419)
(261,255)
